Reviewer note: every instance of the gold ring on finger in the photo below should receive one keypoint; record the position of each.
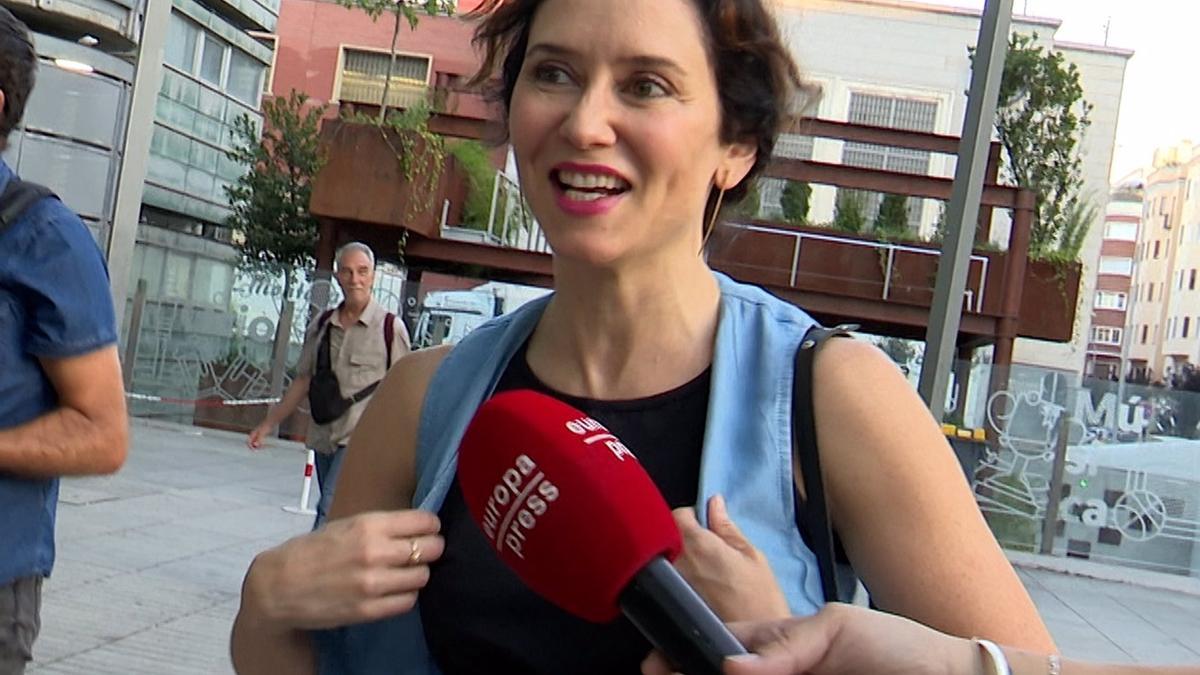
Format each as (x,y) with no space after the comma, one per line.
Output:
(414,555)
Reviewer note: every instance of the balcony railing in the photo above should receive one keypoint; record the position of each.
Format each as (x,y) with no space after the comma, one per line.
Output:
(510,222)
(889,254)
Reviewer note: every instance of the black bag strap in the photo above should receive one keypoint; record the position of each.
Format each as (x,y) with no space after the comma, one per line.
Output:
(389,336)
(324,363)
(18,196)
(814,517)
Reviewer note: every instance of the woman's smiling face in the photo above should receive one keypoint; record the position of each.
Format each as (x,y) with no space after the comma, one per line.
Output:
(615,122)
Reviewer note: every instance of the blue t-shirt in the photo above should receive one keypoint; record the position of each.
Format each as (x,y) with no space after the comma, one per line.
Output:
(54,302)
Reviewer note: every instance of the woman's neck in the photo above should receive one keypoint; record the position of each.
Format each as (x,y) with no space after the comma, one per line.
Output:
(627,333)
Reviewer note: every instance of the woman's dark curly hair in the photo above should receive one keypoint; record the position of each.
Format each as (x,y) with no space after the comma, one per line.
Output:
(758,83)
(18,63)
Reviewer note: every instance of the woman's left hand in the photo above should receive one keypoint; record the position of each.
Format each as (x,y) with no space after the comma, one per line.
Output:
(732,576)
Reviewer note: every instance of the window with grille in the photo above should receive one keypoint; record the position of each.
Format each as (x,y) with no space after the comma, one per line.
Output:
(770,190)
(364,73)
(894,113)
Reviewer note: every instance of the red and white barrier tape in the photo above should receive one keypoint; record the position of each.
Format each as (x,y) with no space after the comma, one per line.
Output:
(201,403)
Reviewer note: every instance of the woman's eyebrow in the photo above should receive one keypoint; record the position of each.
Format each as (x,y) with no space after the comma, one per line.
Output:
(647,61)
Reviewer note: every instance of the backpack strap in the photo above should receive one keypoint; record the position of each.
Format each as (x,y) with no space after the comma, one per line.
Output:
(813,518)
(389,336)
(18,196)
(324,362)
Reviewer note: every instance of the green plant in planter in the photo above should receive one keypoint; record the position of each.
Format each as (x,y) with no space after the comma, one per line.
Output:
(481,176)
(1017,530)
(891,223)
(420,153)
(795,201)
(849,215)
(748,207)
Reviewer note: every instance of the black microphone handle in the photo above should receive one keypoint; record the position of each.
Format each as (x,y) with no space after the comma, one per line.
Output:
(676,621)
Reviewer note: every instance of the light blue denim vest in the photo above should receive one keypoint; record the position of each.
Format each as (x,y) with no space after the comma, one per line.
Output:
(747,454)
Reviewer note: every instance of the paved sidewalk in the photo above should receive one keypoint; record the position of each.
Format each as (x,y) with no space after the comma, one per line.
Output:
(151,561)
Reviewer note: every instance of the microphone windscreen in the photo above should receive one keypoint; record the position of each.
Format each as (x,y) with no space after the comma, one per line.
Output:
(562,501)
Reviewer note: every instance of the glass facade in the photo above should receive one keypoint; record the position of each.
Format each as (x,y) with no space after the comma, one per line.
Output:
(73,130)
(209,81)
(191,312)
(1130,466)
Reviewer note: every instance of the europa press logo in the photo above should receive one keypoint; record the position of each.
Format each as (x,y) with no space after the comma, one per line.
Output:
(593,432)
(523,495)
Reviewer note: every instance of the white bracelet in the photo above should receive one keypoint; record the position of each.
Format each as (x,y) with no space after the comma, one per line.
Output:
(996,661)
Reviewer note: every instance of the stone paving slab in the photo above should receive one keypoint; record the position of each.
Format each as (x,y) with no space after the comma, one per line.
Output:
(151,562)
(1117,622)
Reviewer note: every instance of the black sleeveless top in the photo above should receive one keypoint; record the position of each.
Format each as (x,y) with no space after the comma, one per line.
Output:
(480,618)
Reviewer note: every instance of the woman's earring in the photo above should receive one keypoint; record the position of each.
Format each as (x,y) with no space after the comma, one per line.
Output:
(712,221)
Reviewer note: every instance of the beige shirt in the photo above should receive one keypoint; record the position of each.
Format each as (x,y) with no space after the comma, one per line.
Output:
(358,357)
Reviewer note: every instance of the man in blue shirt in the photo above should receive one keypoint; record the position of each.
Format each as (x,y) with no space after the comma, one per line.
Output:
(62,405)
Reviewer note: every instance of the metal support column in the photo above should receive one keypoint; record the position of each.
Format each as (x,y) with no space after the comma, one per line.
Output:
(136,153)
(135,332)
(322,285)
(963,213)
(279,349)
(1054,495)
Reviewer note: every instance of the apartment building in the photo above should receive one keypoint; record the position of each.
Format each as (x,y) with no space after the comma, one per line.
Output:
(1166,316)
(1111,303)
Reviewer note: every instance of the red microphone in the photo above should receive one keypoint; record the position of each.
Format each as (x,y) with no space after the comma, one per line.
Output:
(569,508)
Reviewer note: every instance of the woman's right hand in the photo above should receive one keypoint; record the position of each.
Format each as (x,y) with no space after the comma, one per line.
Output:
(362,568)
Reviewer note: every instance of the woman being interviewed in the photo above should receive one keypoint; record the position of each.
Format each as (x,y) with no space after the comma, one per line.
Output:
(631,122)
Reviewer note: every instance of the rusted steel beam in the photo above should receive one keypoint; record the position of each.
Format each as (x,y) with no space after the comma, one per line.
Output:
(458,126)
(861,133)
(877,180)
(526,263)
(880,316)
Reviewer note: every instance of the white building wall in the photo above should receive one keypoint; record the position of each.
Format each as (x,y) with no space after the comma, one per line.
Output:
(1153,272)
(1185,296)
(911,50)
